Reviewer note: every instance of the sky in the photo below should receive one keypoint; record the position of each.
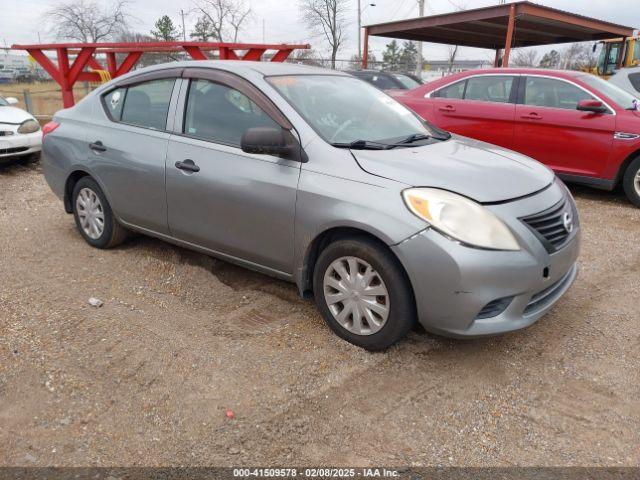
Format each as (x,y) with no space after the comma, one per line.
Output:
(21,20)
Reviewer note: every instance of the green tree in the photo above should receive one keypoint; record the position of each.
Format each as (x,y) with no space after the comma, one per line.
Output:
(165,30)
(202,30)
(409,56)
(391,56)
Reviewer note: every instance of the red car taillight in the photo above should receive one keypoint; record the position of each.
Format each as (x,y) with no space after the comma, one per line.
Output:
(48,128)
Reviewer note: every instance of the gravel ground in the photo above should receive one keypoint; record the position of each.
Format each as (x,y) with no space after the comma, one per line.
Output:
(182,338)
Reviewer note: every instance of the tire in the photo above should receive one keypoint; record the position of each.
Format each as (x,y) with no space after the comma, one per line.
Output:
(631,182)
(112,233)
(378,330)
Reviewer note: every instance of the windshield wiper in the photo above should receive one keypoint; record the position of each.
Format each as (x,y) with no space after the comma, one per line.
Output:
(414,137)
(363,145)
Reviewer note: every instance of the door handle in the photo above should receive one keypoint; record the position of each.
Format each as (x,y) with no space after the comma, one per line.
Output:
(187,165)
(532,116)
(97,146)
(448,108)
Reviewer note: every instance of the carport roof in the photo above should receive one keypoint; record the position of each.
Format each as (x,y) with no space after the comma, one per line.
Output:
(488,27)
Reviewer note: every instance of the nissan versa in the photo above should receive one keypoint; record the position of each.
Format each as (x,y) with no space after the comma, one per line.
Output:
(319,178)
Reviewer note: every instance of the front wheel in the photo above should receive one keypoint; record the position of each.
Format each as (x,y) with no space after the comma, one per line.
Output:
(363,293)
(94,219)
(631,182)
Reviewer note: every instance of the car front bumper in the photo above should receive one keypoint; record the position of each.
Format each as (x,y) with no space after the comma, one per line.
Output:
(20,144)
(453,283)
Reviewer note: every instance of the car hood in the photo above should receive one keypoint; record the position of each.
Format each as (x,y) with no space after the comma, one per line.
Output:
(477,170)
(13,115)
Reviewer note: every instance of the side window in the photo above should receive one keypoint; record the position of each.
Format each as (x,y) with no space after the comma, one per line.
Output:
(381,81)
(221,114)
(548,92)
(452,91)
(113,102)
(147,104)
(634,78)
(489,88)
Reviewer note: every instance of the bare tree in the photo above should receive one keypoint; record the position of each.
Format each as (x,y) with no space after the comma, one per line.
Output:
(451,56)
(87,20)
(326,18)
(578,56)
(525,58)
(225,18)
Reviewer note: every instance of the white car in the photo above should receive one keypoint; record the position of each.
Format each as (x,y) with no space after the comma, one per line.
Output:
(628,79)
(20,134)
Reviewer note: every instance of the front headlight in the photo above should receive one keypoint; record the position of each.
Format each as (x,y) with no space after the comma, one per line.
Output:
(29,126)
(460,218)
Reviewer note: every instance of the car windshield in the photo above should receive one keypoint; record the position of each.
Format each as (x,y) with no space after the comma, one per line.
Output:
(3,102)
(407,81)
(615,93)
(344,110)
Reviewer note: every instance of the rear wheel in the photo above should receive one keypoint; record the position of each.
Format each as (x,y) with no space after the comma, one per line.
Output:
(363,293)
(94,219)
(631,182)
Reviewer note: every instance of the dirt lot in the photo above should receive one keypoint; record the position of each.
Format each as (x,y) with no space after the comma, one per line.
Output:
(147,378)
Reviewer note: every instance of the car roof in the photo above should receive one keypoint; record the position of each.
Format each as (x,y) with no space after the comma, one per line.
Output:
(244,66)
(523,71)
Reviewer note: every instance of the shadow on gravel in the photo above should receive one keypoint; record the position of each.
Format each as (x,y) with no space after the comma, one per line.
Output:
(588,193)
(16,166)
(234,276)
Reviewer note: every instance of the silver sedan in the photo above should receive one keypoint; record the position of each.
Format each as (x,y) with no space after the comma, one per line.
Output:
(316,177)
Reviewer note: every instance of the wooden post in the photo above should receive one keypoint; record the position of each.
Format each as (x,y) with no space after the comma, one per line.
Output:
(509,39)
(27,101)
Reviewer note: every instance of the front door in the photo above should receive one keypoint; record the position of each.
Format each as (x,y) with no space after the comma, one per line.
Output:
(220,198)
(551,130)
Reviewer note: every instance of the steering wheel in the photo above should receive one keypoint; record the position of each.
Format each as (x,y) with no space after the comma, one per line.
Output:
(342,128)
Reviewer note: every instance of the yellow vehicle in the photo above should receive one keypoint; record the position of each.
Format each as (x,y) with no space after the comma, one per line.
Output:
(617,53)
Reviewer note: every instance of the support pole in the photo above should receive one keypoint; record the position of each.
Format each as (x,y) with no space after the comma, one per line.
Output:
(420,57)
(509,39)
(365,49)
(359,31)
(65,85)
(496,62)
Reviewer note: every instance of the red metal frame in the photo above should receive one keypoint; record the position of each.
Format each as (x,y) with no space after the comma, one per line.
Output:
(66,73)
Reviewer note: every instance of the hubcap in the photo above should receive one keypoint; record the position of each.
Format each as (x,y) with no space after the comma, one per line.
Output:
(356,295)
(90,213)
(636,182)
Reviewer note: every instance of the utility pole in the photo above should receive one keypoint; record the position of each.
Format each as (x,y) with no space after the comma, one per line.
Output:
(420,60)
(359,33)
(263,30)
(184,32)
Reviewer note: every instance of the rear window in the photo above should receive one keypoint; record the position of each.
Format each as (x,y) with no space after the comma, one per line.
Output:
(144,105)
(147,104)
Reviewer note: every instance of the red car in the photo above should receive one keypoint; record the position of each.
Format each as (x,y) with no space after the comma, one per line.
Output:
(586,129)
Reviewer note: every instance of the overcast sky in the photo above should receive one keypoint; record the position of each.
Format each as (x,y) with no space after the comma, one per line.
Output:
(21,20)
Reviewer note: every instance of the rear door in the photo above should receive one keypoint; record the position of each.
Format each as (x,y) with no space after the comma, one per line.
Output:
(480,107)
(219,197)
(550,129)
(127,147)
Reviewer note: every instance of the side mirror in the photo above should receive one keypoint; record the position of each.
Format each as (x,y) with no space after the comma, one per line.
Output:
(594,106)
(272,141)
(11,100)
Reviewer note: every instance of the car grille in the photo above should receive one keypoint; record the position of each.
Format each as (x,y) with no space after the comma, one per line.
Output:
(546,296)
(6,151)
(494,308)
(549,225)
(5,133)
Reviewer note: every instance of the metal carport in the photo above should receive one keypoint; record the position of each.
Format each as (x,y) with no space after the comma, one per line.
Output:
(512,25)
